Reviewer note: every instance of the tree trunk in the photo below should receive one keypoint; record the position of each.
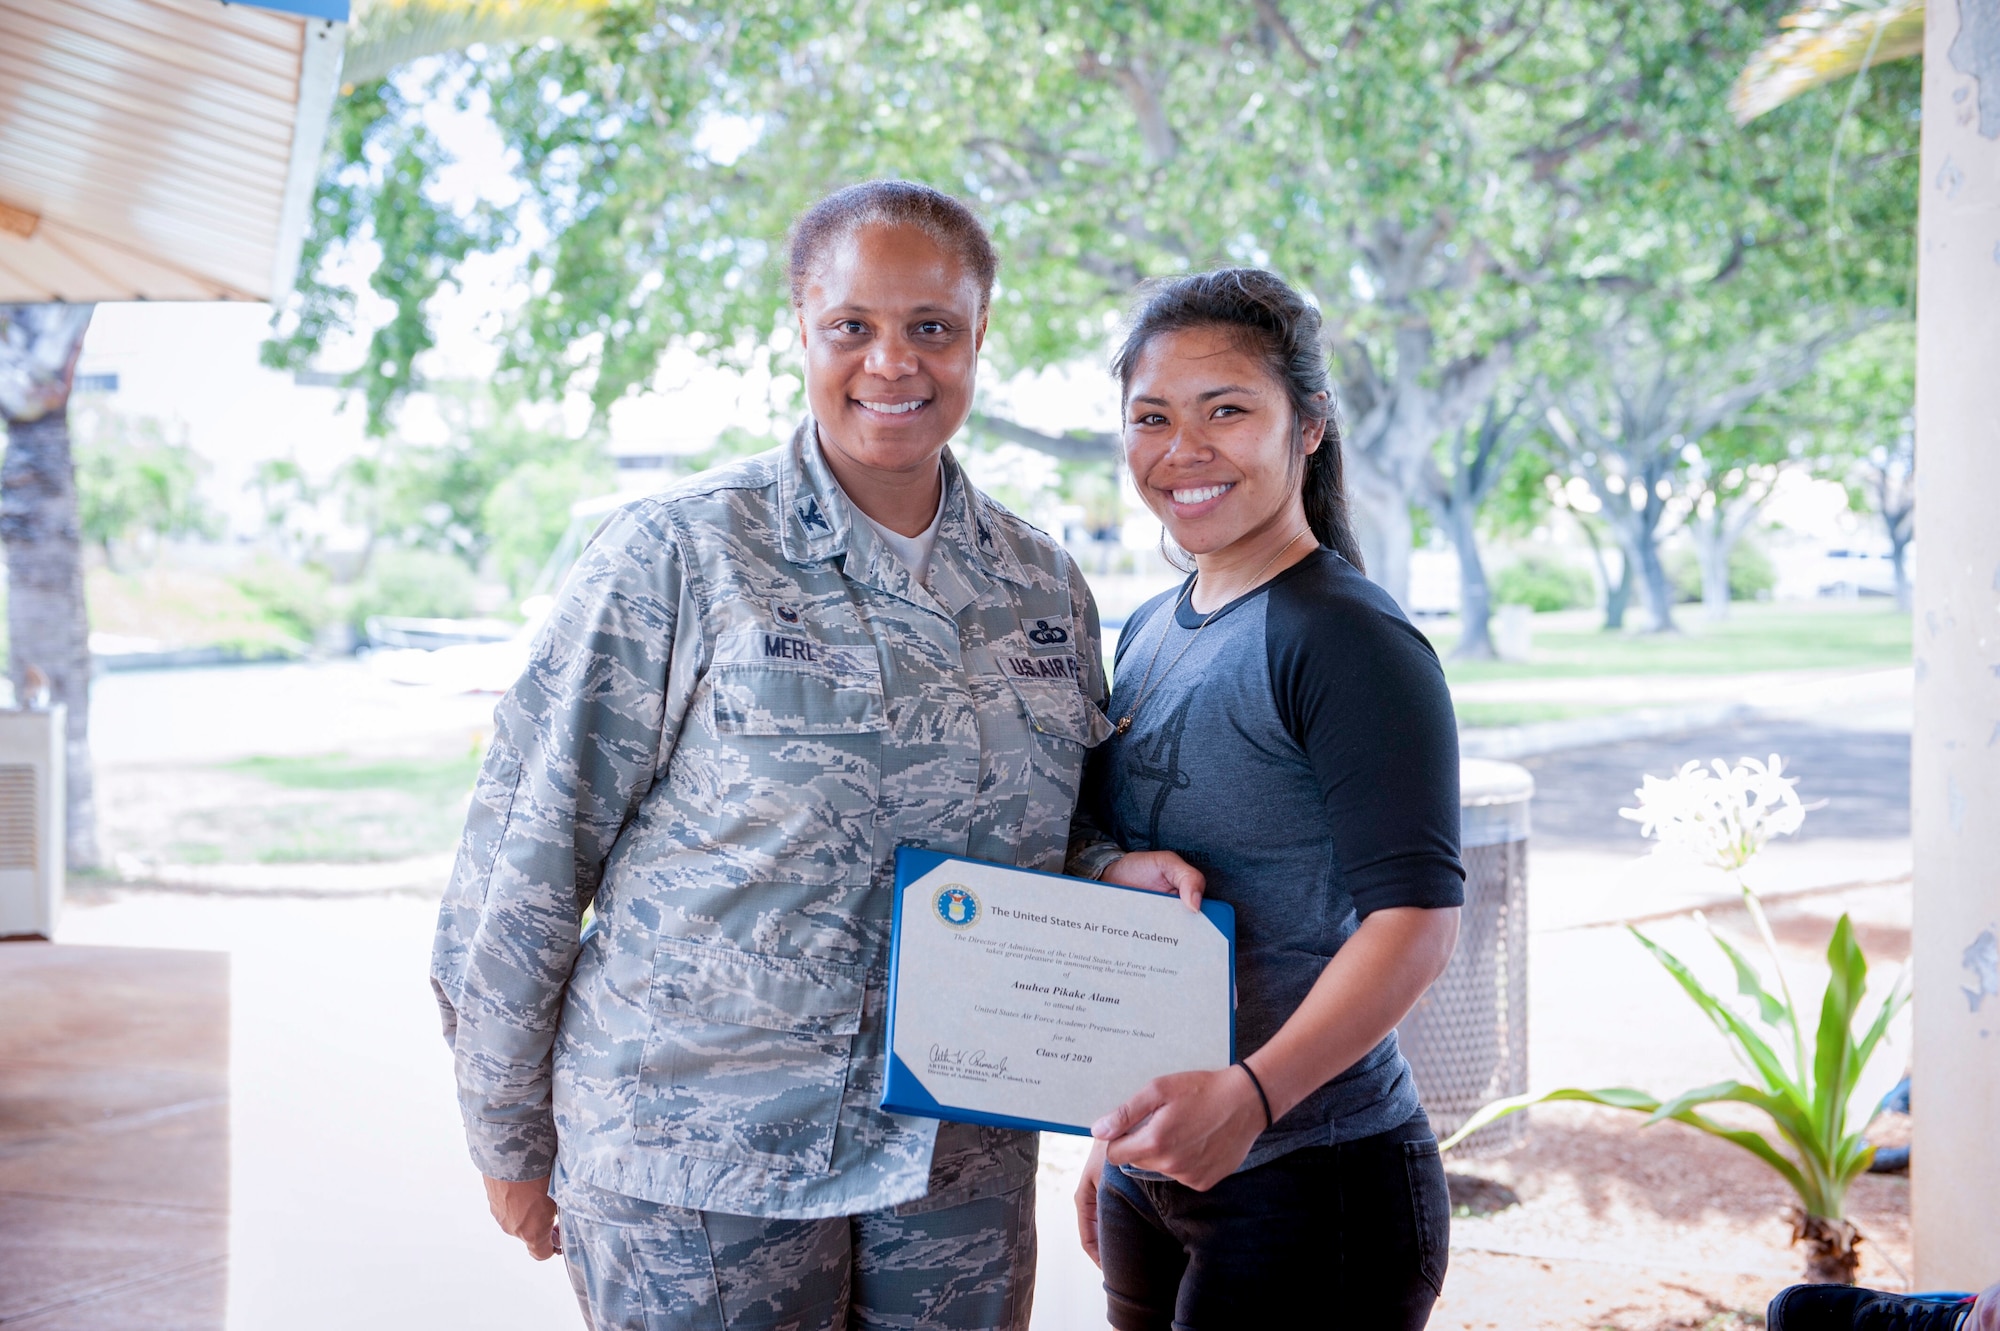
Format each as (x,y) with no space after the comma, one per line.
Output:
(1475,599)
(1898,558)
(1711,549)
(1381,512)
(1833,1254)
(48,627)
(1653,582)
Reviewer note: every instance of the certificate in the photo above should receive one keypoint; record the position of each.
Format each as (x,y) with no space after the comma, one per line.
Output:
(1031,1000)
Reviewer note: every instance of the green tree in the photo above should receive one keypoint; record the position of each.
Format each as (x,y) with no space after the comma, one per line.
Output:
(1461,184)
(134,480)
(526,514)
(438,496)
(1462,473)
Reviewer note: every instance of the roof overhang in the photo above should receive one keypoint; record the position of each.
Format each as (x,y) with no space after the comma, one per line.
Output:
(161,149)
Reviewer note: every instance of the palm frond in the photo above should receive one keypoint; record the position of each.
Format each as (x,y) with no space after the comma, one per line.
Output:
(1827,40)
(388,33)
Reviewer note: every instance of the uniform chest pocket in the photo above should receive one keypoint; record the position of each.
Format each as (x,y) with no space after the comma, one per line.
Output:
(832,698)
(748,1056)
(797,768)
(1066,725)
(1053,701)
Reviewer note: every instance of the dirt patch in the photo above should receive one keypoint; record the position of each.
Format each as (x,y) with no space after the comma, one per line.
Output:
(1642,1229)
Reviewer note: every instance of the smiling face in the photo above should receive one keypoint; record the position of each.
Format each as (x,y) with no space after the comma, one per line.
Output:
(892,323)
(1214,444)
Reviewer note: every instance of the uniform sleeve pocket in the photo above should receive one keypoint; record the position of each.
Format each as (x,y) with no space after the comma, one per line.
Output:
(748,1056)
(486,822)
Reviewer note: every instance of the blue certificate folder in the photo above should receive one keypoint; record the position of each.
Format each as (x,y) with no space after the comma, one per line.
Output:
(905,1091)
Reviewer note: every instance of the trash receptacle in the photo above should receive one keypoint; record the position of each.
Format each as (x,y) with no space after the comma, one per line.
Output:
(1467,1038)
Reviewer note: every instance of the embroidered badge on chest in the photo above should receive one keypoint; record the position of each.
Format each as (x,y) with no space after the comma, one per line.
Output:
(786,613)
(1048,635)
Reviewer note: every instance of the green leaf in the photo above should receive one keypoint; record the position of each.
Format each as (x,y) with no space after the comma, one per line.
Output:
(1899,995)
(1616,1097)
(1753,1046)
(1836,1063)
(1750,984)
(1621,1097)
(1825,41)
(1814,1198)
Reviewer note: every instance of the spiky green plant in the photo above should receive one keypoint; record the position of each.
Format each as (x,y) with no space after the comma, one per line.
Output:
(1825,41)
(1806,1089)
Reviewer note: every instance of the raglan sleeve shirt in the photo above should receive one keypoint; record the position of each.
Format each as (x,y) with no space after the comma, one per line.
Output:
(1360,690)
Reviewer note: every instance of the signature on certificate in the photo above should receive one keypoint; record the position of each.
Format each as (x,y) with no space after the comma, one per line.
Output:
(966,1062)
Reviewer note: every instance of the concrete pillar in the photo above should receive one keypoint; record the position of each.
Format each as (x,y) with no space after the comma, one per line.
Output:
(1955,1169)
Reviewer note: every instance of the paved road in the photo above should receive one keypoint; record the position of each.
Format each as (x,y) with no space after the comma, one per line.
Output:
(1860,766)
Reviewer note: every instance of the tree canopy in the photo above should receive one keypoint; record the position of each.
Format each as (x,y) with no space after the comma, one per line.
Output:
(1472,190)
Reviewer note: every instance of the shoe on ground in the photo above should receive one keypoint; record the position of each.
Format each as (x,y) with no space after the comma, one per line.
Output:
(1847,1308)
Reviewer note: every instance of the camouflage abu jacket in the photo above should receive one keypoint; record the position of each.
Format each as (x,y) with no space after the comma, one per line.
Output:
(742,705)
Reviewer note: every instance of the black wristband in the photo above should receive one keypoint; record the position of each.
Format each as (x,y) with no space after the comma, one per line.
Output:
(1263,1098)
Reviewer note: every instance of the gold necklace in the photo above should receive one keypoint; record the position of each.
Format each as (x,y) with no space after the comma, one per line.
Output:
(1256,580)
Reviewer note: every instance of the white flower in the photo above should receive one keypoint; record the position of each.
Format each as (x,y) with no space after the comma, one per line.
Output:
(1722,817)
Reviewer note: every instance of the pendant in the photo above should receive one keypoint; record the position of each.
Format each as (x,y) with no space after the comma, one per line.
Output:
(1124,724)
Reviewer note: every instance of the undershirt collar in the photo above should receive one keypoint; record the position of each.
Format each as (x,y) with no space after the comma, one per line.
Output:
(914,551)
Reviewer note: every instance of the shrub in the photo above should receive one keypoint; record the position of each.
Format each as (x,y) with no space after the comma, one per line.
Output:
(1543,583)
(1751,574)
(419,583)
(296,598)
(528,512)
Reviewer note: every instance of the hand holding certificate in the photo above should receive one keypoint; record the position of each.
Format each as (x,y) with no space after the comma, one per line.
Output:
(1036,1001)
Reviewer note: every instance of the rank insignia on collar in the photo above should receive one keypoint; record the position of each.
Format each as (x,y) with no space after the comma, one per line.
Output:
(810,516)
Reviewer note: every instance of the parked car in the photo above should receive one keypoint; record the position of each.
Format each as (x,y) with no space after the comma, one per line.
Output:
(1850,573)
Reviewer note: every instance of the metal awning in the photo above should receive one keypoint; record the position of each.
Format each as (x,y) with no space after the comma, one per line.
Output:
(160,149)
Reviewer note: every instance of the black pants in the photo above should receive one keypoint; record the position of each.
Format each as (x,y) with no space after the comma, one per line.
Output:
(1353,1236)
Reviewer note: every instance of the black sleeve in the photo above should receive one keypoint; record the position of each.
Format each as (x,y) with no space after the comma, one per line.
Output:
(1361,692)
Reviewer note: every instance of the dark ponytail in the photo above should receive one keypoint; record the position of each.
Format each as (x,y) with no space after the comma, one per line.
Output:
(1282,328)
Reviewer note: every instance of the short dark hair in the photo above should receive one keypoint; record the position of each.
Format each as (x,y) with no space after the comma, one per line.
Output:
(1281,327)
(890,203)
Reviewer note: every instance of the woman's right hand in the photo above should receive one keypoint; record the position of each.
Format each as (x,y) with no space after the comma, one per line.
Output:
(1086,1201)
(1158,871)
(526,1211)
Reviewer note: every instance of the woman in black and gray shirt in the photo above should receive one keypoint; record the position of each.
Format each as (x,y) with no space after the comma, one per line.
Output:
(1286,732)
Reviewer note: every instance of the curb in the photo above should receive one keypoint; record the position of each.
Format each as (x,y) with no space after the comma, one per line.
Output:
(1509,742)
(1527,741)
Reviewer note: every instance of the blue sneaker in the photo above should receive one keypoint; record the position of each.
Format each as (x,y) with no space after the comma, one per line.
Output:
(1846,1308)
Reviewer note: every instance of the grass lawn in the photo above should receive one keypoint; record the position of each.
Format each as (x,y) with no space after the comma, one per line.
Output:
(332,808)
(1789,635)
(424,778)
(1525,713)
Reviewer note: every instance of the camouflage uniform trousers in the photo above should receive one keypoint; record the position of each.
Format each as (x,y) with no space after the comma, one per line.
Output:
(643,1266)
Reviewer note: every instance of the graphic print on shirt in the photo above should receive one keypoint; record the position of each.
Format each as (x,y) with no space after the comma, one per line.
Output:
(1158,758)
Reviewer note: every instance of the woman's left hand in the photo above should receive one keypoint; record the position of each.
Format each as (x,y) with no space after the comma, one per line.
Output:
(1194,1127)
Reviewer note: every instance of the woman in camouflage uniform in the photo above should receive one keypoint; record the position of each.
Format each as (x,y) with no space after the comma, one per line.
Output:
(755,687)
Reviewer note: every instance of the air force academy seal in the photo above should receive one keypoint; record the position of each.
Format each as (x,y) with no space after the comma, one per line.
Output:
(956,906)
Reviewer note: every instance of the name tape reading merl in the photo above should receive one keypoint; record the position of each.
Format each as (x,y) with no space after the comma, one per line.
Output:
(1137,935)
